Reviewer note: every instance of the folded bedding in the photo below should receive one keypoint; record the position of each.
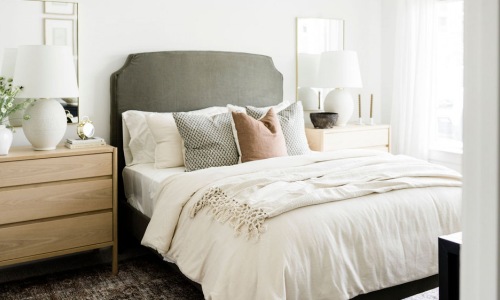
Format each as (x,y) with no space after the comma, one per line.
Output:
(326,225)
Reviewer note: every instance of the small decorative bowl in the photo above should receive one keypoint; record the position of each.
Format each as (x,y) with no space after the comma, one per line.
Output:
(324,120)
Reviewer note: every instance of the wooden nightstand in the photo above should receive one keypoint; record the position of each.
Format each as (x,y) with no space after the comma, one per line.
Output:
(349,137)
(57,202)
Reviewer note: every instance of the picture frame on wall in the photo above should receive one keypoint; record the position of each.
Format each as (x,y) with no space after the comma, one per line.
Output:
(59,32)
(59,8)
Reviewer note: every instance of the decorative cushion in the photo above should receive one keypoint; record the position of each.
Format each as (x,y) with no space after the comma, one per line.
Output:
(259,139)
(292,124)
(238,109)
(169,151)
(241,109)
(208,140)
(141,146)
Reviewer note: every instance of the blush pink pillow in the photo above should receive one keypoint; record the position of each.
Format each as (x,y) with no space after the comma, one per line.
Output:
(259,139)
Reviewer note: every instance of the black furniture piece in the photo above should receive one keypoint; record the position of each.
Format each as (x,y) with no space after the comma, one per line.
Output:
(449,266)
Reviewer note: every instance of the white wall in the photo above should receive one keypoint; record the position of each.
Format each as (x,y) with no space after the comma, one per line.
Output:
(480,256)
(111,29)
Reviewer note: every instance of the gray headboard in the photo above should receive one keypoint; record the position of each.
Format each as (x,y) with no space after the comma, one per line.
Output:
(174,81)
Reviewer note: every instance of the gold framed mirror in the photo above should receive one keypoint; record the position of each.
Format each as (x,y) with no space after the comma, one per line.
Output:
(314,36)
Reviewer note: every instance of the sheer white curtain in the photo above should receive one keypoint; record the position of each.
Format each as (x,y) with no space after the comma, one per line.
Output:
(414,71)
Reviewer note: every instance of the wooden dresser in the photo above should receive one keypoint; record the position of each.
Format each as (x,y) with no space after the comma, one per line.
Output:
(349,137)
(57,202)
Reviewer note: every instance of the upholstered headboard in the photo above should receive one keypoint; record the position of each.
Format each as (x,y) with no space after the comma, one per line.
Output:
(173,81)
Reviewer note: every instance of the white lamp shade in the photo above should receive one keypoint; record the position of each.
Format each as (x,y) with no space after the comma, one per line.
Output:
(45,72)
(308,65)
(9,62)
(339,69)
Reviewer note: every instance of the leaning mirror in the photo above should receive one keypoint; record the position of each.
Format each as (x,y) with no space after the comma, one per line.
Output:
(38,22)
(315,36)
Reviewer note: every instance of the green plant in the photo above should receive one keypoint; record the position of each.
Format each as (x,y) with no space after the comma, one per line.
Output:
(8,93)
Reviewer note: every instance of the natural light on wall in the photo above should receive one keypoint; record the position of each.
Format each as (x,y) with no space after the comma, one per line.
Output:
(447,127)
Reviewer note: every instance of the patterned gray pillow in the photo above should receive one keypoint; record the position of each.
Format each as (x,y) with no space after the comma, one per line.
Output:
(292,125)
(208,140)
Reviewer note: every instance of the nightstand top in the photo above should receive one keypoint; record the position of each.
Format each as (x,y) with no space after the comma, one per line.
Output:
(27,152)
(351,127)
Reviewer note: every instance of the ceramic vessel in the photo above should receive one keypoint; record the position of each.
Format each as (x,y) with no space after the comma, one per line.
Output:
(44,124)
(5,140)
(323,120)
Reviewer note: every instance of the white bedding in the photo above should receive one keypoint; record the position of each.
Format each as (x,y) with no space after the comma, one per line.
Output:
(334,250)
(141,183)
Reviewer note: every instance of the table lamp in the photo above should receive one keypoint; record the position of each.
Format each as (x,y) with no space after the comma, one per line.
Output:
(45,72)
(339,70)
(307,72)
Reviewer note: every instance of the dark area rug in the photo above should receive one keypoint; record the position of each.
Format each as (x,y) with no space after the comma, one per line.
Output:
(144,277)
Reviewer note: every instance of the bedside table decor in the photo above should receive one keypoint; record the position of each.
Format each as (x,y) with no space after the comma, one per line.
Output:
(8,106)
(5,140)
(87,143)
(323,120)
(339,70)
(360,121)
(371,110)
(307,72)
(46,72)
(85,128)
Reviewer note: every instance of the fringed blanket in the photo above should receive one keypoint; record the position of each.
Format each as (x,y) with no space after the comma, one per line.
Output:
(246,201)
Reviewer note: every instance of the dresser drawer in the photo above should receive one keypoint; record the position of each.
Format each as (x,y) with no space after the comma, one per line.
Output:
(13,173)
(356,139)
(44,237)
(54,199)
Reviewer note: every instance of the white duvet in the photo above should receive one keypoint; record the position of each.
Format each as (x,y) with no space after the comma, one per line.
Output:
(343,223)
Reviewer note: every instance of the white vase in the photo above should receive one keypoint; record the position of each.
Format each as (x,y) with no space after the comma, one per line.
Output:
(5,140)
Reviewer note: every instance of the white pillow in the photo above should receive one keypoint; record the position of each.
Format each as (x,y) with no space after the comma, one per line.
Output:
(141,145)
(169,148)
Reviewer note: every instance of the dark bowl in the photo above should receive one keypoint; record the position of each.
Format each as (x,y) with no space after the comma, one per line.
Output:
(324,120)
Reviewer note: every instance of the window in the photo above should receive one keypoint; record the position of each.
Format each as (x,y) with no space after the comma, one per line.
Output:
(446,130)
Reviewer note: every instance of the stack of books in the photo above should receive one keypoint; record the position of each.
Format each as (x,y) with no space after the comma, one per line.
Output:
(87,143)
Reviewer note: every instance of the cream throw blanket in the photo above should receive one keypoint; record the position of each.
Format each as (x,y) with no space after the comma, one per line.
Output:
(246,201)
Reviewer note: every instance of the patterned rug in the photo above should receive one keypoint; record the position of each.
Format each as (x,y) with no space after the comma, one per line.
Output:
(145,277)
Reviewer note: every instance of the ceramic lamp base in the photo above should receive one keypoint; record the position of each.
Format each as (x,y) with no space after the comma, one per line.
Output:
(309,98)
(44,124)
(340,102)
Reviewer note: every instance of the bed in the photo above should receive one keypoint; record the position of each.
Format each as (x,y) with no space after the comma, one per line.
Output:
(366,245)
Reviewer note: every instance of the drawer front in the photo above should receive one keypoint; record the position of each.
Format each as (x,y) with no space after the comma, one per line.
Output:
(55,169)
(57,199)
(44,237)
(356,139)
